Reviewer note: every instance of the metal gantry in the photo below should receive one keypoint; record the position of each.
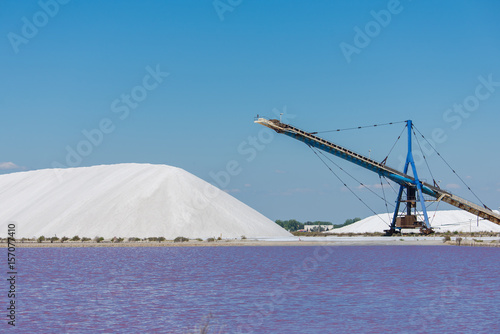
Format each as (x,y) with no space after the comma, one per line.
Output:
(412,185)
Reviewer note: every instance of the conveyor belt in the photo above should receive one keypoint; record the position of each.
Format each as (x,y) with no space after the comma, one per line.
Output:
(379,168)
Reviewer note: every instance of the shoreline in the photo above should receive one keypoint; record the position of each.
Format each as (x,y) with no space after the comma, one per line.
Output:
(293,242)
(234,243)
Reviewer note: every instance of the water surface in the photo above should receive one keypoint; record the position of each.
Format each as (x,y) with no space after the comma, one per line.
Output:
(317,289)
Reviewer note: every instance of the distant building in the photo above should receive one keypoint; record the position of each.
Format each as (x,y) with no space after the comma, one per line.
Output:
(312,228)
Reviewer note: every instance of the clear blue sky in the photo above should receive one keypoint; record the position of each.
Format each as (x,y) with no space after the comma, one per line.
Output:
(70,67)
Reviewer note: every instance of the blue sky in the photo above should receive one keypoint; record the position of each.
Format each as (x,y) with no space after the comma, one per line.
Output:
(179,83)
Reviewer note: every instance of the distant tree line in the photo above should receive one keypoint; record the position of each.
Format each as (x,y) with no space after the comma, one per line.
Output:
(293,225)
(290,225)
(318,223)
(348,222)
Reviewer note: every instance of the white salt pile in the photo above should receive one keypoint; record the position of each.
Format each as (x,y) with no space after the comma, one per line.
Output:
(441,221)
(125,200)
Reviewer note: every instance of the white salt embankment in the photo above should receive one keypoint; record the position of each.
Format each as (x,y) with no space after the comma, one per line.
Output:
(441,221)
(125,200)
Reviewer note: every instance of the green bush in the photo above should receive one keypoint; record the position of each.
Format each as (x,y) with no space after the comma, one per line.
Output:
(160,239)
(75,238)
(133,239)
(290,225)
(85,239)
(63,239)
(181,239)
(53,239)
(210,240)
(98,239)
(40,239)
(446,238)
(243,237)
(199,239)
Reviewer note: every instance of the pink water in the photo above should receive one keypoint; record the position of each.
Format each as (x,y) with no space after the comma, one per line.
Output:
(365,289)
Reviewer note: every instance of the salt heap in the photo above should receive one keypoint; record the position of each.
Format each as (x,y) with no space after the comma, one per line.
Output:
(441,221)
(125,200)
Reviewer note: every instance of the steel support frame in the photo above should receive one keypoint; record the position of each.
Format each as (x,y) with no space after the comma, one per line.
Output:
(410,162)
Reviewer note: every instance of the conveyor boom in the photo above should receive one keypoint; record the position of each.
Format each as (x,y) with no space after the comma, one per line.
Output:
(379,168)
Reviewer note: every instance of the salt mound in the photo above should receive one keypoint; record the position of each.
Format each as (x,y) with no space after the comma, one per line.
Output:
(441,221)
(125,200)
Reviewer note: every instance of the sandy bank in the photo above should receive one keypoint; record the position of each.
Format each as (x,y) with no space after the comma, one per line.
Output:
(304,241)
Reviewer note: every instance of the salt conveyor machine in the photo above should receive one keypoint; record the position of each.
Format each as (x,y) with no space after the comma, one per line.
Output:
(410,185)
